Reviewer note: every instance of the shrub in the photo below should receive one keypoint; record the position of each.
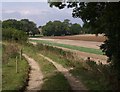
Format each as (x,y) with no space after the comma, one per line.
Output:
(9,51)
(14,34)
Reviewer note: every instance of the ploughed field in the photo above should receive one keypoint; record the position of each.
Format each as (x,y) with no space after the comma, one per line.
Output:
(86,37)
(85,48)
(88,40)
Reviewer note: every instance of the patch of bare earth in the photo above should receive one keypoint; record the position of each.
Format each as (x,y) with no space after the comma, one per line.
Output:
(74,82)
(85,37)
(35,77)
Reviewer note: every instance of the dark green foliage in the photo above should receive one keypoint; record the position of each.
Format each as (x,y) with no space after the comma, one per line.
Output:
(29,27)
(103,18)
(75,29)
(14,35)
(25,25)
(58,28)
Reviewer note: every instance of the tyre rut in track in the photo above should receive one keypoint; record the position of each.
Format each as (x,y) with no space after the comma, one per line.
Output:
(35,77)
(74,82)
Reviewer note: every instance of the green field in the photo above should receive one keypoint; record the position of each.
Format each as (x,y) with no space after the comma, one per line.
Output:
(83,49)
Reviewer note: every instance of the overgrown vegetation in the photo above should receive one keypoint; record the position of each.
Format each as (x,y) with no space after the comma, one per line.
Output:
(95,77)
(11,79)
(11,34)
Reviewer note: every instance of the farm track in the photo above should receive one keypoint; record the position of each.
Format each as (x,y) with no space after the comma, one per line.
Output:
(75,84)
(35,77)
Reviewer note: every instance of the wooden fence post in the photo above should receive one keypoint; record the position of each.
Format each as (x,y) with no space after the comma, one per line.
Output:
(16,65)
(20,54)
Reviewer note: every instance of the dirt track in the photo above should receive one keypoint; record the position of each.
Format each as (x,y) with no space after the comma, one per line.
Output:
(35,77)
(74,82)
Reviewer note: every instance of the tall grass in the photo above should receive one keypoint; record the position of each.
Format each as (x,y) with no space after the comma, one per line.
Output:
(95,77)
(14,81)
(11,80)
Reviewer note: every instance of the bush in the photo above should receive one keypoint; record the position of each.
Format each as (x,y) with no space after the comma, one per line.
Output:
(9,51)
(14,34)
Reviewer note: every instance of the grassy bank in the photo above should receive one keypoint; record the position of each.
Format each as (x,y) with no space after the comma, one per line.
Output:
(83,49)
(12,80)
(53,80)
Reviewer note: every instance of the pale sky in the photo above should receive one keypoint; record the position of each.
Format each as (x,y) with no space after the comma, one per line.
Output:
(39,12)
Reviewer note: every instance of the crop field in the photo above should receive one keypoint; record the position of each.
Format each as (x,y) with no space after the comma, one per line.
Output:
(83,49)
(79,48)
(86,37)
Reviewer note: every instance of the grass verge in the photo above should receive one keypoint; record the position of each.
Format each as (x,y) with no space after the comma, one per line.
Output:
(12,80)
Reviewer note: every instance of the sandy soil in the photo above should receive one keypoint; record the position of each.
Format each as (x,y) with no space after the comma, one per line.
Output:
(74,82)
(35,77)
(88,44)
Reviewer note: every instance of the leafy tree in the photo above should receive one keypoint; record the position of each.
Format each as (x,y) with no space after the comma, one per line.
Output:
(86,29)
(75,29)
(29,27)
(48,29)
(58,28)
(55,28)
(67,26)
(14,35)
(102,17)
(11,23)
(24,25)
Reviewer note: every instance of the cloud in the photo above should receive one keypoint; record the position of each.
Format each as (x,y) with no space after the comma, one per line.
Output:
(8,11)
(40,13)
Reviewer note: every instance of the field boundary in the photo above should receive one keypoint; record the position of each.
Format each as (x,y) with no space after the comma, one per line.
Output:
(83,55)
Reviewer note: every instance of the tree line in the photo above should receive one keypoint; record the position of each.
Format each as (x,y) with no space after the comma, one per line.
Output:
(55,28)
(58,28)
(18,30)
(24,24)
